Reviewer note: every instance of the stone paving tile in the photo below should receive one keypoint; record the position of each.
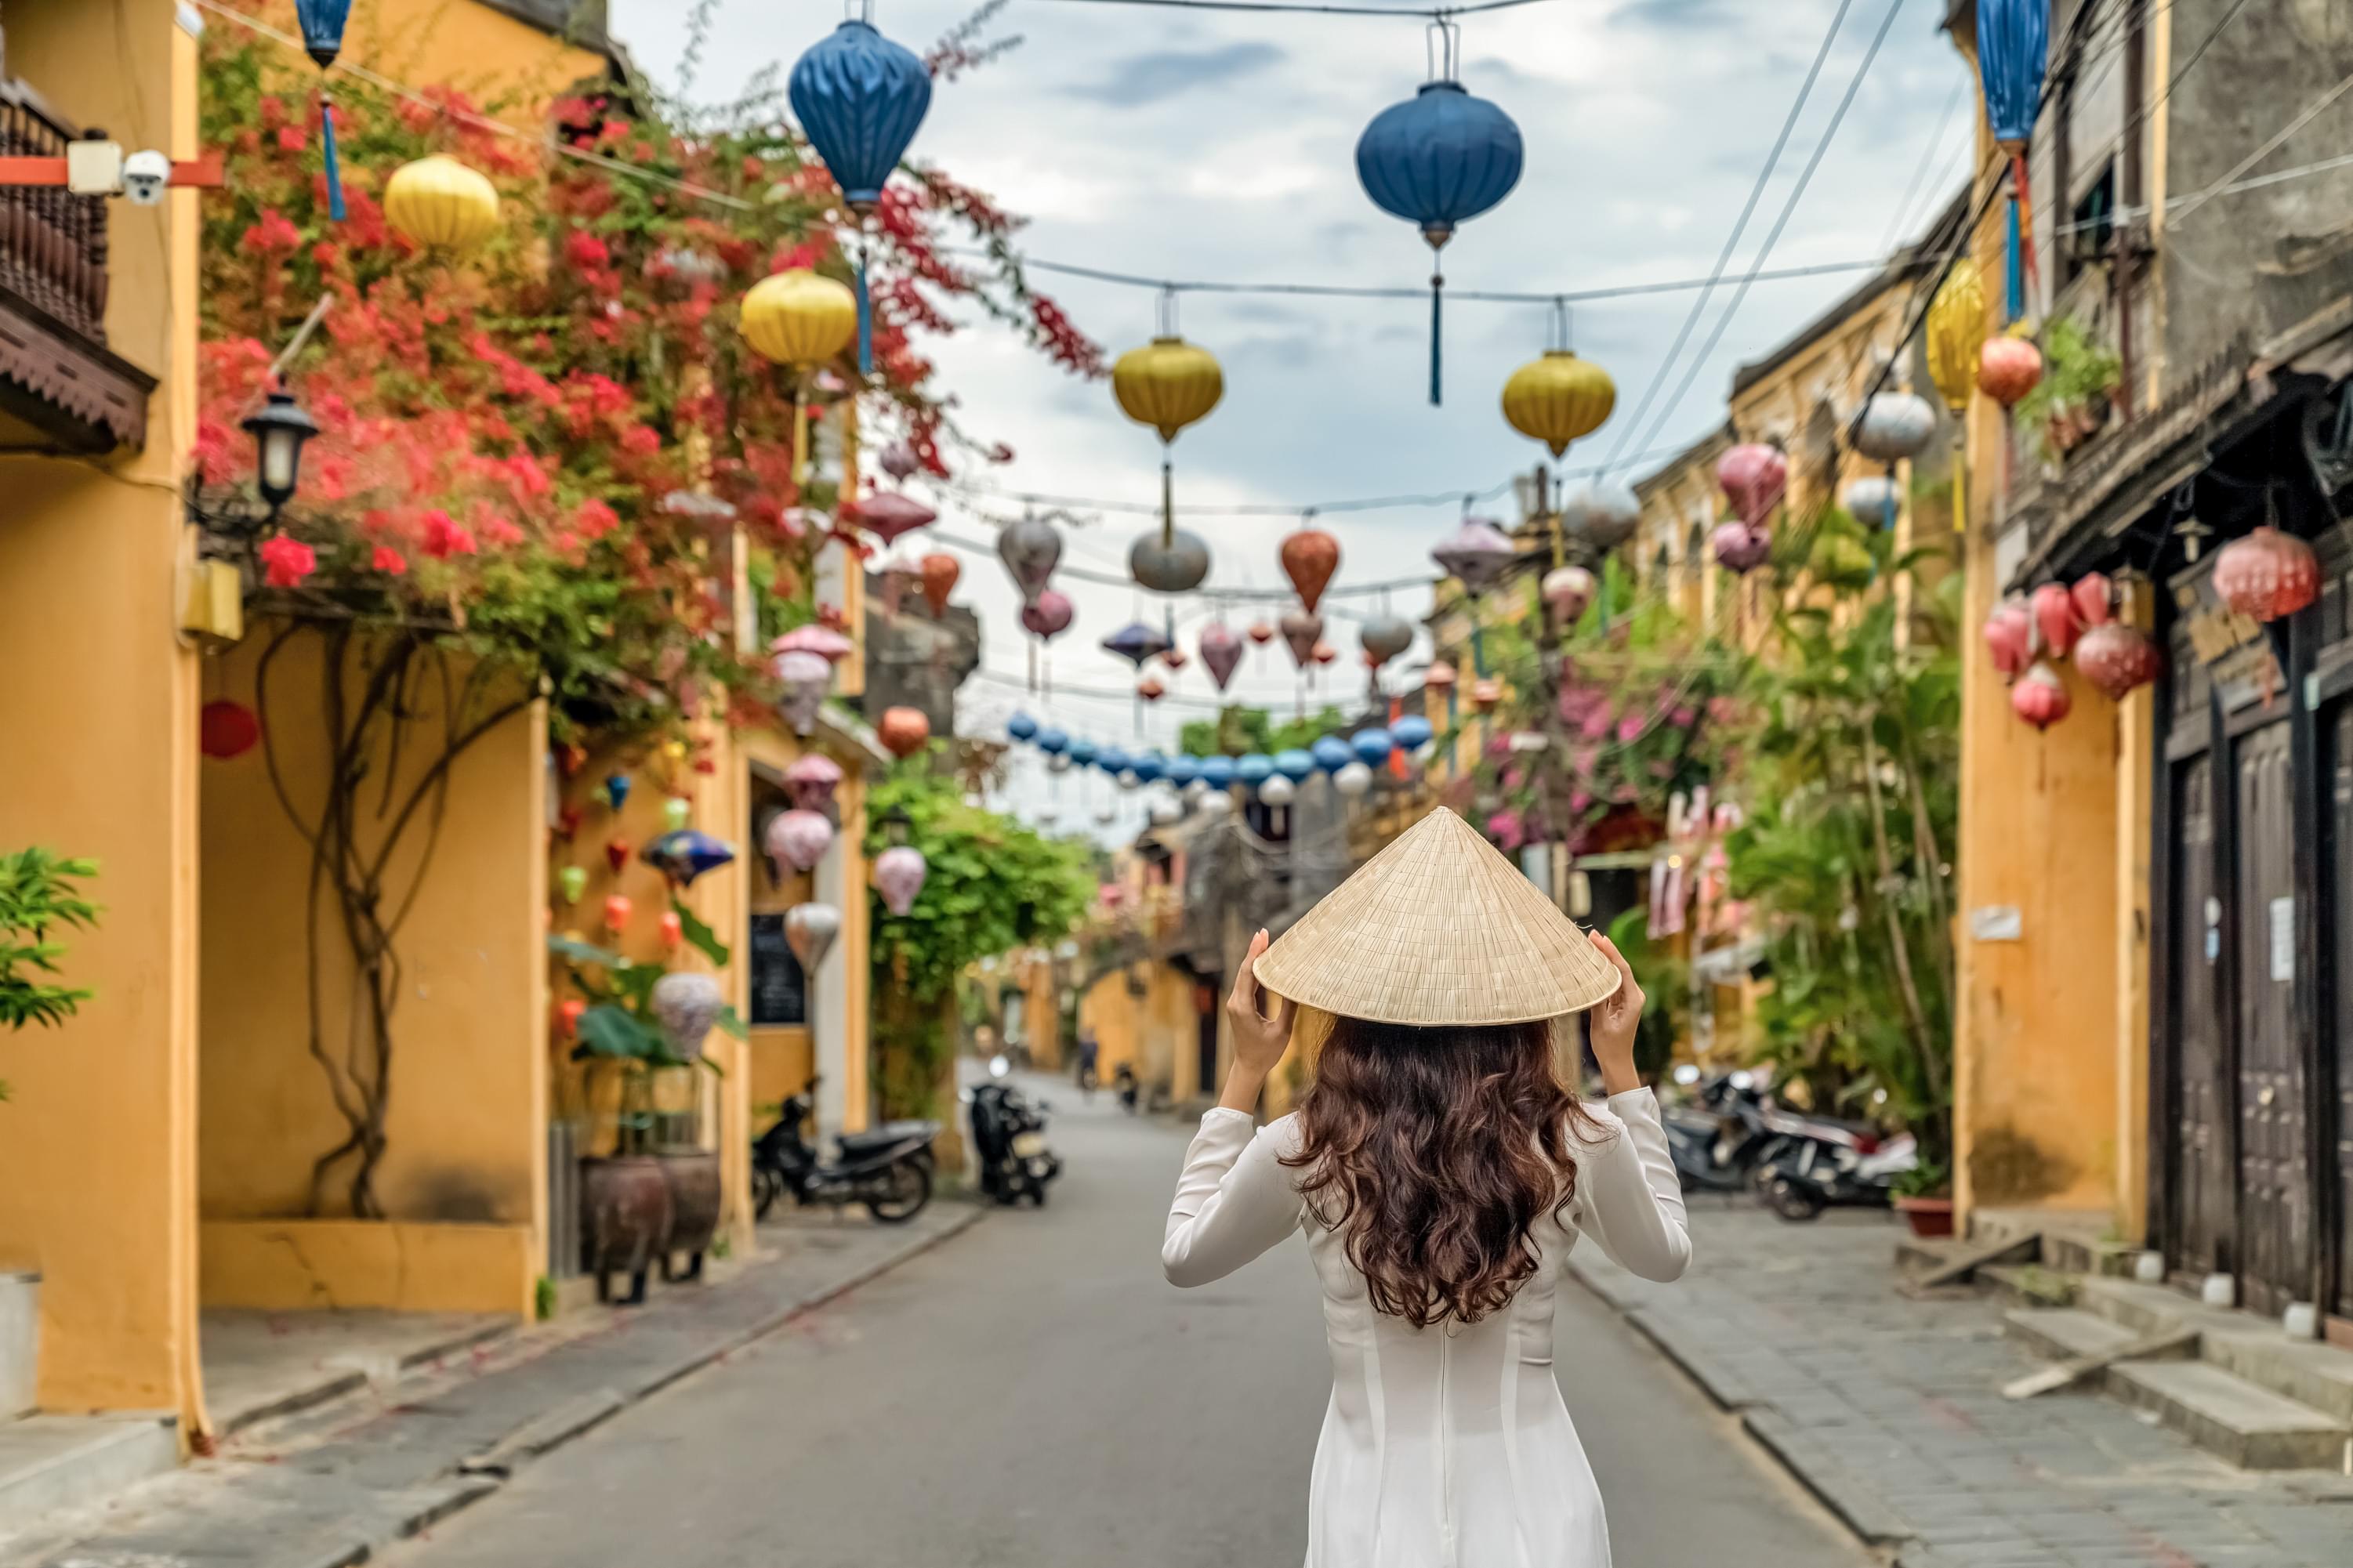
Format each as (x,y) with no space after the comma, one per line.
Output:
(1890,1409)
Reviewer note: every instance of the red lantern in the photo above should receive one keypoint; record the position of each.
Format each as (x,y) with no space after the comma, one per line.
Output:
(2118,658)
(568,1016)
(939,570)
(617,912)
(2041,698)
(1176,657)
(1309,558)
(904,732)
(1485,694)
(1260,633)
(617,854)
(1325,653)
(1150,689)
(2095,599)
(2008,368)
(2267,575)
(567,821)
(228,730)
(1440,675)
(2010,635)
(2055,619)
(674,931)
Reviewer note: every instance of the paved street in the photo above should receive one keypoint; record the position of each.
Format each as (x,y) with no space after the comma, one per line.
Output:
(1032,1393)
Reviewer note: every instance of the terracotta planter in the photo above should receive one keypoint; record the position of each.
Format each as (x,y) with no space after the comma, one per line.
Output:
(693,1178)
(626,1209)
(1930,1217)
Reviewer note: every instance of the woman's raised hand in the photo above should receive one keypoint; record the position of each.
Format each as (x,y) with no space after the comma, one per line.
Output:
(1260,1039)
(1611,1025)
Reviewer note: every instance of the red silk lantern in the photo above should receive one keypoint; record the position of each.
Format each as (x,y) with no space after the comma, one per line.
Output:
(2053,609)
(2095,599)
(674,931)
(2010,636)
(1486,694)
(2267,575)
(227,730)
(568,1016)
(940,572)
(904,732)
(2008,368)
(1260,633)
(2041,698)
(1150,689)
(617,854)
(1325,653)
(1176,657)
(616,911)
(1309,557)
(2118,658)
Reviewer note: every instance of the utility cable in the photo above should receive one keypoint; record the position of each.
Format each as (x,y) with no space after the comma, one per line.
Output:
(1739,228)
(1298,8)
(1381,291)
(1903,218)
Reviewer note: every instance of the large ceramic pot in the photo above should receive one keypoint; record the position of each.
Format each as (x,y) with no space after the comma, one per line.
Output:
(1930,1218)
(693,1178)
(625,1201)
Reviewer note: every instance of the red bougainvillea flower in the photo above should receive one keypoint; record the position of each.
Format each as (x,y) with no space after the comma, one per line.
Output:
(273,235)
(585,251)
(444,537)
(501,534)
(389,561)
(287,562)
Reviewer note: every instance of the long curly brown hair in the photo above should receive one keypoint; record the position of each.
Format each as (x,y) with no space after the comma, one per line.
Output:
(1438,1151)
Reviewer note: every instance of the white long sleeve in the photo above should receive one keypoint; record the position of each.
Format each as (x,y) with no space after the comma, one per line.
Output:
(1628,1198)
(1234,1201)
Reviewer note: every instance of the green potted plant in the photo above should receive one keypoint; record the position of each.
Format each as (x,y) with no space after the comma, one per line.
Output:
(658,1194)
(39,894)
(2073,400)
(1924,1196)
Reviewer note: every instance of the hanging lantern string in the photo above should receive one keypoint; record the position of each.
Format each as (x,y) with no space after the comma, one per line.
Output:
(1294,8)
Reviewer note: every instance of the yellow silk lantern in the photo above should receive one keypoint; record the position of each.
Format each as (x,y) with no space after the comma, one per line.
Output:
(1558,399)
(802,319)
(1956,338)
(1168,384)
(440,202)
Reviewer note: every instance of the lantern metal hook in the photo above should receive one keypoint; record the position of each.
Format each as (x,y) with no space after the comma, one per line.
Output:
(1444,44)
(1562,335)
(1164,311)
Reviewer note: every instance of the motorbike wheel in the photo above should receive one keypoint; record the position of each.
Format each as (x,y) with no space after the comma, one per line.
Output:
(767,1188)
(1792,1201)
(911,1189)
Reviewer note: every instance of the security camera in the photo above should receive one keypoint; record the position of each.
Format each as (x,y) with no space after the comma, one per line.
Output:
(145,177)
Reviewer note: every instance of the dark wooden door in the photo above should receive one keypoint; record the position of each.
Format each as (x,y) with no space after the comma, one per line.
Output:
(2201,1190)
(2274,1192)
(2339,730)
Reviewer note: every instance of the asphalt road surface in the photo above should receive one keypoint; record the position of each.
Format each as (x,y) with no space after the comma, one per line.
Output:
(1032,1394)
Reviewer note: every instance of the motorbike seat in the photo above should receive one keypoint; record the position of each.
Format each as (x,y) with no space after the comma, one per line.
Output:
(874,1140)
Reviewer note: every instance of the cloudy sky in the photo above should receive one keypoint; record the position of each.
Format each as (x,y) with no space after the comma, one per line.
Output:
(1215,145)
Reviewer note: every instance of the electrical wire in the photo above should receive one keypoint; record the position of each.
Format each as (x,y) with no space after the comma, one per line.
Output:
(1383,291)
(1739,228)
(1901,221)
(1788,207)
(1298,8)
(2271,144)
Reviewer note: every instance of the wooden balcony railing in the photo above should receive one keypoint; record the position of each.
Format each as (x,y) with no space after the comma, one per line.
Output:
(52,242)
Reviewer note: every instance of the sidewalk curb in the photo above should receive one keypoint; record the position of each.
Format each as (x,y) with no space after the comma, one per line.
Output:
(485,1474)
(1866,1517)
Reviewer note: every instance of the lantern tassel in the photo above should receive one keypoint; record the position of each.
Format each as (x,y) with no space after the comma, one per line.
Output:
(1437,333)
(2023,183)
(334,162)
(1960,486)
(865,318)
(2014,270)
(1033,667)
(1168,502)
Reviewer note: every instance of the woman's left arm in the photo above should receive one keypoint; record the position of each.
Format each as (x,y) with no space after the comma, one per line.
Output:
(1629,1195)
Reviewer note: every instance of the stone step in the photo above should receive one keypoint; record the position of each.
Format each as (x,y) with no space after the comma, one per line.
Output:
(2028,1284)
(2249,1426)
(2254,1348)
(20,1342)
(2065,1332)
(49,1463)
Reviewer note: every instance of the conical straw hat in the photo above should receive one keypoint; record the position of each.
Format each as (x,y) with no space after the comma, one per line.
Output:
(1438,929)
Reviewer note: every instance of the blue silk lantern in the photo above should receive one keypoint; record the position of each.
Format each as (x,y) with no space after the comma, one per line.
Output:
(1082,753)
(1374,746)
(616,790)
(1219,773)
(1182,771)
(2013,57)
(1021,727)
(1411,732)
(1148,767)
(1255,769)
(1111,760)
(685,855)
(1438,160)
(1053,742)
(1294,764)
(322,37)
(1330,753)
(860,98)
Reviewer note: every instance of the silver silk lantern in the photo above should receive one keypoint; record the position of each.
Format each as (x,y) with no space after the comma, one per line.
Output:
(1894,425)
(1178,565)
(810,930)
(1603,514)
(1031,550)
(687,1006)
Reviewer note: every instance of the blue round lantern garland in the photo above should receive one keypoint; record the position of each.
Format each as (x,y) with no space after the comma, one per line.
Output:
(1181,770)
(1294,764)
(1373,747)
(1255,769)
(1330,753)
(1411,732)
(1219,773)
(860,98)
(1149,767)
(1110,759)
(1082,753)
(1053,741)
(1021,727)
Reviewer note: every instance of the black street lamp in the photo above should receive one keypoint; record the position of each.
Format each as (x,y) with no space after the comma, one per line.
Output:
(280,429)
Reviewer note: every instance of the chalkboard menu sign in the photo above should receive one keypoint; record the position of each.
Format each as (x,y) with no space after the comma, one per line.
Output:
(779,989)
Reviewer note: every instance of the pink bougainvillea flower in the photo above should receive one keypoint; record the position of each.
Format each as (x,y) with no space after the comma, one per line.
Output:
(444,537)
(287,562)
(389,561)
(273,235)
(501,534)
(594,520)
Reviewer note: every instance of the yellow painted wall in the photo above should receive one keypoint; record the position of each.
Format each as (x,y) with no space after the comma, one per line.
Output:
(510,69)
(343,1265)
(97,1149)
(1153,1034)
(466,1125)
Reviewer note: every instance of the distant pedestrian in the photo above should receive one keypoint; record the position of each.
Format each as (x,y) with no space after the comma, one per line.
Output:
(1089,1051)
(1441,1171)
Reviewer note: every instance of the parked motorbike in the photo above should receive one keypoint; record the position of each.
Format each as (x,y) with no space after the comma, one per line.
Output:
(1008,1140)
(1716,1137)
(1817,1164)
(888,1168)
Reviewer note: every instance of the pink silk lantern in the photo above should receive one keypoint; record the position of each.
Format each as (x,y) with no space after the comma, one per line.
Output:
(1221,652)
(1753,477)
(2118,658)
(2055,625)
(1301,632)
(805,678)
(823,641)
(1740,547)
(1049,615)
(888,514)
(797,841)
(2040,697)
(899,873)
(2009,636)
(2095,599)
(1567,591)
(2267,575)
(811,781)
